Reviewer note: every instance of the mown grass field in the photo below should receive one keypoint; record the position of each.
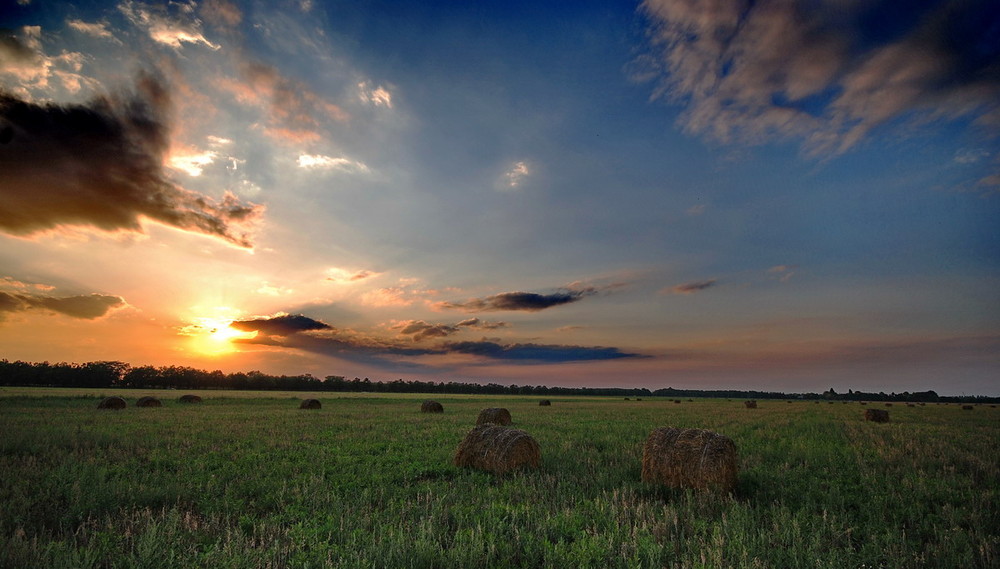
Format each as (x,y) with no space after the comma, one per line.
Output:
(249,480)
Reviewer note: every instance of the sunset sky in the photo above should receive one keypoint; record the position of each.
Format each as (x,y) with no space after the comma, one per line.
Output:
(790,195)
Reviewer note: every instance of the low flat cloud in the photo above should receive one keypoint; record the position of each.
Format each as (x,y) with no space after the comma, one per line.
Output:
(281,325)
(85,307)
(420,330)
(523,301)
(100,165)
(541,353)
(826,72)
(692,287)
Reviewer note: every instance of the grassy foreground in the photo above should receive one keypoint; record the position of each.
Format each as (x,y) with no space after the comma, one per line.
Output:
(249,480)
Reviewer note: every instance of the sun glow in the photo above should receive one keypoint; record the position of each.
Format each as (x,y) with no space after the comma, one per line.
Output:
(213,336)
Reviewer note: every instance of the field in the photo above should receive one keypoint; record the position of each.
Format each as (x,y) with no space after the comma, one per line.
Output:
(249,480)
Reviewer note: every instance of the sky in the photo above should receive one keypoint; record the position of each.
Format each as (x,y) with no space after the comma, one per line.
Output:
(782,195)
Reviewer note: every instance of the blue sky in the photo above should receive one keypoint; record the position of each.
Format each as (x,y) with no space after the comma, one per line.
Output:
(771,195)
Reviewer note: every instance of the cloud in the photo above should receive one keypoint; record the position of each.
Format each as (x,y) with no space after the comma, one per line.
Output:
(514,177)
(100,165)
(86,307)
(377,97)
(786,272)
(695,210)
(692,287)
(420,330)
(23,58)
(826,72)
(95,29)
(338,275)
(295,113)
(344,345)
(280,325)
(526,301)
(536,352)
(221,13)
(171,29)
(320,162)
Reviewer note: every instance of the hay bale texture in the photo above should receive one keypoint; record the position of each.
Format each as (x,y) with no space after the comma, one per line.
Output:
(494,416)
(690,458)
(544,403)
(431,407)
(148,402)
(310,404)
(497,449)
(750,404)
(967,407)
(877,415)
(190,399)
(112,403)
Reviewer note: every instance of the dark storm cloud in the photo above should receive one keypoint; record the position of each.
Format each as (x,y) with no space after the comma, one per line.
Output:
(283,325)
(86,307)
(541,353)
(526,301)
(691,288)
(828,71)
(101,165)
(346,346)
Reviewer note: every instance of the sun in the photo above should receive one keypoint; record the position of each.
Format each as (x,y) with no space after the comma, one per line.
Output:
(213,335)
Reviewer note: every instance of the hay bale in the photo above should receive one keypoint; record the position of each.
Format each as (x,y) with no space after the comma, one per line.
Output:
(190,399)
(148,402)
(690,458)
(112,403)
(627,399)
(864,403)
(494,416)
(310,404)
(431,407)
(497,449)
(677,400)
(966,407)
(888,404)
(910,405)
(877,415)
(750,404)
(544,403)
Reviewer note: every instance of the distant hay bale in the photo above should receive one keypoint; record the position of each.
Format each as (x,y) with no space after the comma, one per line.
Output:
(877,415)
(112,403)
(544,403)
(910,405)
(966,407)
(495,416)
(638,398)
(690,400)
(750,404)
(148,402)
(677,400)
(829,402)
(497,449)
(310,404)
(190,399)
(864,403)
(431,407)
(690,458)
(627,399)
(888,404)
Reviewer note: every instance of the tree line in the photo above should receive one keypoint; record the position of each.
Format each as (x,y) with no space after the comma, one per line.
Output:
(113,374)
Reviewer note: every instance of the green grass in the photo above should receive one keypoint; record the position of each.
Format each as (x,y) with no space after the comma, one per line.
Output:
(249,480)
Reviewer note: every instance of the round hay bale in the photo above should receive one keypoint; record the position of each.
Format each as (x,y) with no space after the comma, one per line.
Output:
(310,404)
(431,407)
(864,403)
(638,398)
(690,458)
(112,403)
(966,407)
(627,399)
(877,415)
(690,400)
(148,402)
(544,403)
(497,449)
(888,404)
(190,399)
(750,404)
(495,416)
(677,401)
(910,405)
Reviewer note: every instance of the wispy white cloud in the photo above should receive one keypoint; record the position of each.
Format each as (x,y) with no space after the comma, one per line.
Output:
(514,176)
(321,162)
(378,96)
(95,29)
(172,30)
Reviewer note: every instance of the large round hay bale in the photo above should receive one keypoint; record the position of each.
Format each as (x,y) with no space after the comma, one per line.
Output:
(877,415)
(148,402)
(431,407)
(690,458)
(310,404)
(112,403)
(677,401)
(967,407)
(888,404)
(544,403)
(495,416)
(497,449)
(750,404)
(190,399)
